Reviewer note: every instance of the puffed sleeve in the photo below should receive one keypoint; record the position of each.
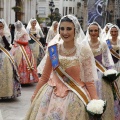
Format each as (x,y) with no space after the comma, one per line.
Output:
(23,40)
(89,77)
(46,74)
(88,69)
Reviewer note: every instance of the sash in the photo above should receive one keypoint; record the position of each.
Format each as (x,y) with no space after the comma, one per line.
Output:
(102,69)
(115,85)
(10,58)
(29,63)
(8,54)
(34,38)
(99,66)
(64,77)
(115,54)
(72,85)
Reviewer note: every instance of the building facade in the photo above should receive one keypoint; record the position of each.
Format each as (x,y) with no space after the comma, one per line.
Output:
(32,8)
(9,11)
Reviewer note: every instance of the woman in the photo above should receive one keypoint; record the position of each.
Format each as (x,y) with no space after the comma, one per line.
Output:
(52,32)
(23,55)
(114,37)
(35,33)
(53,98)
(103,58)
(9,80)
(105,30)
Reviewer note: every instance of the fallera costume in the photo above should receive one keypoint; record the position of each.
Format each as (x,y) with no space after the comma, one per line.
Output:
(36,47)
(9,79)
(24,56)
(103,57)
(54,100)
(116,48)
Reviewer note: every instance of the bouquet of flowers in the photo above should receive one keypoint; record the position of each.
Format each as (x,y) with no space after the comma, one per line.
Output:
(110,75)
(96,108)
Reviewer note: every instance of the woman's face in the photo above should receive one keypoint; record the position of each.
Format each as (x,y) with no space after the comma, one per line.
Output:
(1,26)
(33,24)
(114,32)
(55,26)
(67,31)
(93,31)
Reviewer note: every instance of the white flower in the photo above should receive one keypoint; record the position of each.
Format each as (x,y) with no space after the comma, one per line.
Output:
(110,71)
(96,106)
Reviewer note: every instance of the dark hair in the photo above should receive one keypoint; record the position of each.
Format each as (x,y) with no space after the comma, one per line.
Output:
(65,19)
(1,22)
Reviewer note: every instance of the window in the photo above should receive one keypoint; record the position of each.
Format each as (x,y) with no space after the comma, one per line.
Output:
(66,11)
(42,11)
(70,10)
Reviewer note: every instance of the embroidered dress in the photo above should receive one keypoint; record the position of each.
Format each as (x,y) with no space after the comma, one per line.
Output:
(35,47)
(113,36)
(9,81)
(54,100)
(116,48)
(104,89)
(24,56)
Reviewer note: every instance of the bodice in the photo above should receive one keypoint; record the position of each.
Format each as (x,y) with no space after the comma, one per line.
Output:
(66,62)
(33,31)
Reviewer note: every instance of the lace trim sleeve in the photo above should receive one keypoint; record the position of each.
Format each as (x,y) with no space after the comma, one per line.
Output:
(106,57)
(88,70)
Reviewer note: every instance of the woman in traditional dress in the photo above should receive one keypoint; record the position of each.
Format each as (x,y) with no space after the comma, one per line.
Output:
(24,56)
(54,98)
(52,32)
(9,81)
(114,38)
(35,33)
(103,58)
(105,30)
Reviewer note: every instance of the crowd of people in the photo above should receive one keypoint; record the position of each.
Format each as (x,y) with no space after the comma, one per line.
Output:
(68,73)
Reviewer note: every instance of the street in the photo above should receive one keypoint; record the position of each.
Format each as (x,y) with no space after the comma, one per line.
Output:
(16,109)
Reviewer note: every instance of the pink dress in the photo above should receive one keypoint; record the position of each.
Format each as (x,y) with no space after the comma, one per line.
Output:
(26,75)
(54,100)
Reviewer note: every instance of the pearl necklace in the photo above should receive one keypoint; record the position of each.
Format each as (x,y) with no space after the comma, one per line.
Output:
(68,52)
(94,44)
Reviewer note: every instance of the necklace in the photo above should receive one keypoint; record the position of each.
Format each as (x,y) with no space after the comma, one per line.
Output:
(68,52)
(94,44)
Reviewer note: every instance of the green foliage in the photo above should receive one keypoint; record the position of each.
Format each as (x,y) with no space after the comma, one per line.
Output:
(17,8)
(55,16)
(40,19)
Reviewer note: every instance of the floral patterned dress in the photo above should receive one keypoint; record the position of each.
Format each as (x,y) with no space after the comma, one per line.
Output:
(9,81)
(104,89)
(54,100)
(117,67)
(26,75)
(35,47)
